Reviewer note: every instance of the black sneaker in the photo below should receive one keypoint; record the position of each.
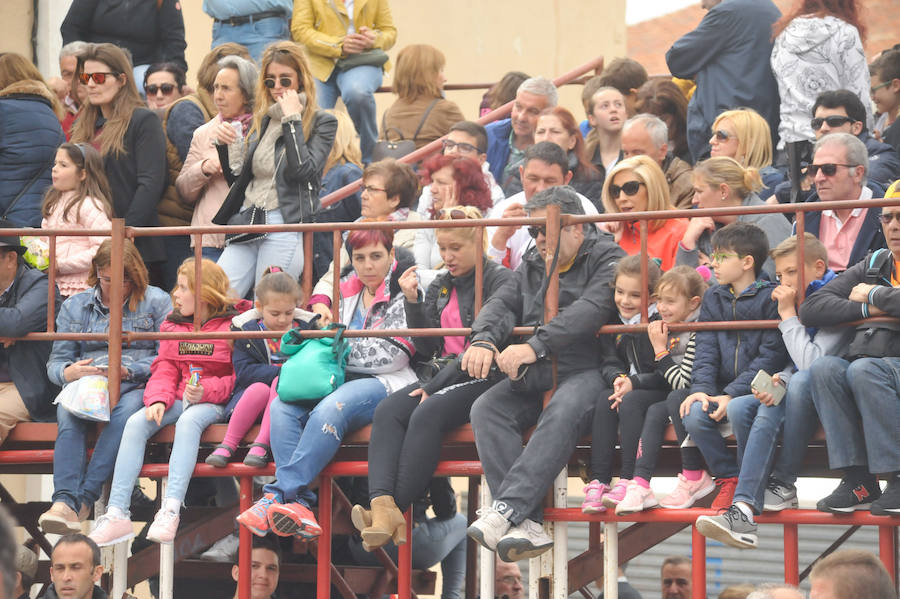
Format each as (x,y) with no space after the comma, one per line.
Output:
(889,502)
(851,496)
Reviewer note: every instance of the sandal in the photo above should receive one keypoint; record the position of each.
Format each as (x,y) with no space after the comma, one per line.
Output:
(218,460)
(258,461)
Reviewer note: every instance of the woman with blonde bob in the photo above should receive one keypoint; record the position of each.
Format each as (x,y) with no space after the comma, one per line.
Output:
(420,112)
(744,135)
(719,183)
(289,143)
(638,184)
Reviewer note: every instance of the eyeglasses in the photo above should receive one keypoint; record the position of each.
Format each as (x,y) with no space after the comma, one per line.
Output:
(879,86)
(722,135)
(629,187)
(828,169)
(887,217)
(722,256)
(165,88)
(537,230)
(462,146)
(372,189)
(833,121)
(284,81)
(99,77)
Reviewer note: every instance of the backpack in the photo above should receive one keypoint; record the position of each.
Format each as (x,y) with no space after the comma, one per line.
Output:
(876,339)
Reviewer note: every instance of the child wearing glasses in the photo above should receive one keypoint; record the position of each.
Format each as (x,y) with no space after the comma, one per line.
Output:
(727,361)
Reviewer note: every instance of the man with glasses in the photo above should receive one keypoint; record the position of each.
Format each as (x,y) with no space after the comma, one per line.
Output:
(839,169)
(519,478)
(857,396)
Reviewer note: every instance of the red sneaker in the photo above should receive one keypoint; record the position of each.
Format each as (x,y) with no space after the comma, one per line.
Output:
(293,519)
(725,497)
(256,518)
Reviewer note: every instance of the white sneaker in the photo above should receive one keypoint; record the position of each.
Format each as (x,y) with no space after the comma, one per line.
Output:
(110,530)
(524,541)
(224,550)
(490,526)
(164,526)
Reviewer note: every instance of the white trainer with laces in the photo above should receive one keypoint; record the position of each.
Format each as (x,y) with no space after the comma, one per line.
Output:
(524,541)
(490,526)
(164,526)
(110,530)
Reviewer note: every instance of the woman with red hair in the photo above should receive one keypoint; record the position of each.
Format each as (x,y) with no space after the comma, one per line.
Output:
(559,126)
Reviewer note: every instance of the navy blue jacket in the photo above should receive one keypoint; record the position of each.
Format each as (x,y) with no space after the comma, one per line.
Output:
(870,238)
(30,133)
(728,54)
(498,147)
(726,361)
(884,163)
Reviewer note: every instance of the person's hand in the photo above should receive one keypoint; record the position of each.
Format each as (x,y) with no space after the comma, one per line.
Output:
(192,393)
(658,332)
(368,36)
(7,341)
(477,361)
(503,234)
(860,292)
(696,227)
(621,386)
(685,407)
(616,227)
(409,284)
(420,393)
(324,312)
(354,43)
(786,298)
(720,410)
(514,356)
(224,133)
(210,167)
(764,397)
(290,102)
(76,370)
(155,412)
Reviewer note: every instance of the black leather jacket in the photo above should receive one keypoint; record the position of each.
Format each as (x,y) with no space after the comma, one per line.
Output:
(297,177)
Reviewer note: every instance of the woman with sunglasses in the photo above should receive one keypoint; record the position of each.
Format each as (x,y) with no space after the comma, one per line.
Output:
(131,140)
(163,84)
(409,423)
(290,140)
(744,135)
(455,181)
(720,183)
(638,184)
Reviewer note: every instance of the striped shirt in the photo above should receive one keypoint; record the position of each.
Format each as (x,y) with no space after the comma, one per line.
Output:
(678,372)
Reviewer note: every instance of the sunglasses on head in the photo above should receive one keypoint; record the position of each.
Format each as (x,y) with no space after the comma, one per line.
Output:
(629,187)
(284,81)
(722,135)
(165,88)
(449,145)
(454,213)
(99,77)
(886,218)
(833,121)
(828,169)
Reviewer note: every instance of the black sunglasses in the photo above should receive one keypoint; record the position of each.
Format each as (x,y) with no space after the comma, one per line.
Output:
(887,218)
(828,169)
(537,230)
(463,146)
(165,88)
(629,187)
(833,121)
(99,77)
(722,135)
(284,81)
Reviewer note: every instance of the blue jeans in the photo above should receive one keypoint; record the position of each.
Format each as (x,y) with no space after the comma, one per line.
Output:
(859,405)
(211,253)
(356,88)
(800,424)
(255,35)
(433,541)
(705,433)
(72,483)
(755,429)
(300,457)
(245,263)
(189,425)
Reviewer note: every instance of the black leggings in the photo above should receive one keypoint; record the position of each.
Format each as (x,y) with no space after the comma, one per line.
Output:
(405,445)
(630,421)
(655,423)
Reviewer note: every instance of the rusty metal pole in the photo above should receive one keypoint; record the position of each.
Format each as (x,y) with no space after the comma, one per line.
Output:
(336,280)
(116,309)
(645,274)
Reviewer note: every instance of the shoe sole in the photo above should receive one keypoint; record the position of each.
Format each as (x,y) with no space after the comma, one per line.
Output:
(216,463)
(843,510)
(647,505)
(784,505)
(877,510)
(713,530)
(259,463)
(694,498)
(57,525)
(286,525)
(513,550)
(121,539)
(359,519)
(156,539)
(590,509)
(611,502)
(477,535)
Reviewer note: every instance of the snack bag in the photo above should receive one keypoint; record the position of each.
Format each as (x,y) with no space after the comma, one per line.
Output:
(87,398)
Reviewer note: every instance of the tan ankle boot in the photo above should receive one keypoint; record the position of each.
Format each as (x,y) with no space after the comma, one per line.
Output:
(361,517)
(387,523)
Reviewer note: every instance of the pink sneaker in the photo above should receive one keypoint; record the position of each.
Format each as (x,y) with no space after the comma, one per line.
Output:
(688,491)
(593,497)
(111,530)
(612,499)
(164,526)
(637,499)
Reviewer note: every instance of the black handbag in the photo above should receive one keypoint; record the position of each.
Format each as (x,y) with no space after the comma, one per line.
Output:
(250,216)
(388,148)
(425,371)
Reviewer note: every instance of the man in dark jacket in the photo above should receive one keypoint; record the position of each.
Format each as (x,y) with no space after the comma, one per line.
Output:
(858,396)
(728,55)
(25,391)
(518,478)
(75,569)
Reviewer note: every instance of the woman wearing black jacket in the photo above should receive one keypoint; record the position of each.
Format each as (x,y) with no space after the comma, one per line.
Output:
(280,175)
(408,425)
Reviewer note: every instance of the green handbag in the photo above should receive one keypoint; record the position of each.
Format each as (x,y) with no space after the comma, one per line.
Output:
(315,366)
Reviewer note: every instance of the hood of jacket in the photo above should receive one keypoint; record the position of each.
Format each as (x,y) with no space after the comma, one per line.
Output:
(28,87)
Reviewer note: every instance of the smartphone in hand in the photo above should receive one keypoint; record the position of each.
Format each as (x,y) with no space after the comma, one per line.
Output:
(762,383)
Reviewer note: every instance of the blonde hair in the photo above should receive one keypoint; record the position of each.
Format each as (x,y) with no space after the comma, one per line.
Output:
(346,142)
(466,233)
(651,175)
(15,68)
(716,171)
(753,135)
(685,280)
(291,55)
(122,107)
(417,71)
(214,285)
(135,270)
(813,249)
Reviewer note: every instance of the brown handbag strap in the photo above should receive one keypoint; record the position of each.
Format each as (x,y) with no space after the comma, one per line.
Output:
(425,118)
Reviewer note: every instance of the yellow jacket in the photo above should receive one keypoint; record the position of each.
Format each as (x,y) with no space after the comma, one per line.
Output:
(321,25)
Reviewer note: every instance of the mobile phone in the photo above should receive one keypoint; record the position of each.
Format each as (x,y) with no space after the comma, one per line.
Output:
(763,383)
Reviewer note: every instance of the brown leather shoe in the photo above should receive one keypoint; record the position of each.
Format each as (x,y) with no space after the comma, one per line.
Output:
(60,519)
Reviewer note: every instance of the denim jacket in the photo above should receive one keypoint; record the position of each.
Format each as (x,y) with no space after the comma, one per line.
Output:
(84,312)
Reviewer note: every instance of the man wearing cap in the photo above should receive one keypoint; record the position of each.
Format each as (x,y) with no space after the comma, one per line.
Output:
(25,392)
(26,568)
